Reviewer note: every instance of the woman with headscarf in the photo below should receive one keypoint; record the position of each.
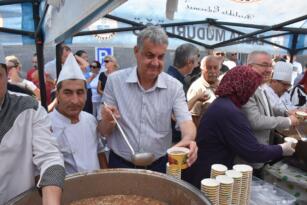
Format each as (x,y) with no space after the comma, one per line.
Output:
(299,93)
(225,132)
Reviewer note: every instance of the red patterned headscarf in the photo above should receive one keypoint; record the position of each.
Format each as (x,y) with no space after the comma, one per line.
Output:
(239,84)
(304,81)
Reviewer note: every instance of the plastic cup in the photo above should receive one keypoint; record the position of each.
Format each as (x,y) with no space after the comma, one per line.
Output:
(301,115)
(291,140)
(177,156)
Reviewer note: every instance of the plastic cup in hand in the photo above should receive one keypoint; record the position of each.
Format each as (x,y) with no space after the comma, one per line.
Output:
(291,140)
(177,156)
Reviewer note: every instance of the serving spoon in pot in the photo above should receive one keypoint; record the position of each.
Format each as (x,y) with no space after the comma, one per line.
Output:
(138,159)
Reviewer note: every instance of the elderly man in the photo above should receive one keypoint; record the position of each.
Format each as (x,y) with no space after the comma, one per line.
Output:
(263,117)
(143,99)
(26,145)
(278,86)
(205,84)
(221,56)
(75,130)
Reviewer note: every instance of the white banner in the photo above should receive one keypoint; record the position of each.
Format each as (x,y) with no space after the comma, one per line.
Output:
(67,17)
(202,33)
(259,12)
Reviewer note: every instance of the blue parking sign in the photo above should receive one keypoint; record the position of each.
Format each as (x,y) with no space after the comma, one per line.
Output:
(102,52)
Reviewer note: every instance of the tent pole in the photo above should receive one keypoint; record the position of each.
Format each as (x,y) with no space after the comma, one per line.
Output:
(9,2)
(293,50)
(41,20)
(39,43)
(277,26)
(133,23)
(58,54)
(300,49)
(16,31)
(232,42)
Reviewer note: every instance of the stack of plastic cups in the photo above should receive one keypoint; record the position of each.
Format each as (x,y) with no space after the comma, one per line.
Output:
(247,175)
(173,170)
(237,177)
(210,187)
(217,169)
(226,187)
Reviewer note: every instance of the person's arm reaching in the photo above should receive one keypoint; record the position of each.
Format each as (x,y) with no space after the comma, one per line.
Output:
(107,123)
(51,195)
(188,133)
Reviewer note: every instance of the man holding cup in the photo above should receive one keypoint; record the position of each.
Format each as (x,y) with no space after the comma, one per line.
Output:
(143,99)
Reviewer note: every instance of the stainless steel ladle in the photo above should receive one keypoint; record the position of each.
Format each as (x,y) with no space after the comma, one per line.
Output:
(138,159)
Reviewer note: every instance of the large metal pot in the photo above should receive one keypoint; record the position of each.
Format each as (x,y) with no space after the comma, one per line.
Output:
(122,181)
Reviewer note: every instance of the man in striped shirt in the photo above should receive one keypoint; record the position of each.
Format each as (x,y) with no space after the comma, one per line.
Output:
(143,99)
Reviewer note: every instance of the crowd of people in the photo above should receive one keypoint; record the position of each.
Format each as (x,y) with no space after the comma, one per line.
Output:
(224,112)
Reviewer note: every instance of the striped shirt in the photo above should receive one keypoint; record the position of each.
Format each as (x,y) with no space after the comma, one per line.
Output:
(145,114)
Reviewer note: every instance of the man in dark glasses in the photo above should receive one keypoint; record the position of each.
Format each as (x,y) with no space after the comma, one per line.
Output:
(221,56)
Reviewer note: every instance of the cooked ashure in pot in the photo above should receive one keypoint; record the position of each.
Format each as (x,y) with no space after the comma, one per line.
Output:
(119,200)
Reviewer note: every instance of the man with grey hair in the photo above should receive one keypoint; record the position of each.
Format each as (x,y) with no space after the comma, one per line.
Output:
(143,99)
(185,60)
(206,85)
(263,117)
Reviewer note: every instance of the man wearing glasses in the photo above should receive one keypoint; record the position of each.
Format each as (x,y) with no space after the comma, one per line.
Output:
(221,56)
(263,117)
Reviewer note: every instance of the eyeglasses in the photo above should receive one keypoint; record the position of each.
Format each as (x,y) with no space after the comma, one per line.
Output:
(106,61)
(233,54)
(93,66)
(219,54)
(263,65)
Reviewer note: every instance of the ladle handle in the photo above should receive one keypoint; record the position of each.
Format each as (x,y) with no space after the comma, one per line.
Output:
(122,132)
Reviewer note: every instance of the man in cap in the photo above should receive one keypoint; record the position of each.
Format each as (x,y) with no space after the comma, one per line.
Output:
(143,99)
(74,129)
(278,86)
(26,145)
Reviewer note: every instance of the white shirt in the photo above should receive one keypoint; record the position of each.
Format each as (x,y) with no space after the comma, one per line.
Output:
(50,69)
(278,102)
(297,69)
(200,85)
(145,114)
(96,97)
(25,84)
(79,143)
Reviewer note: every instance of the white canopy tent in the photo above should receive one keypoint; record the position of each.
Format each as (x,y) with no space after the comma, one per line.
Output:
(230,25)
